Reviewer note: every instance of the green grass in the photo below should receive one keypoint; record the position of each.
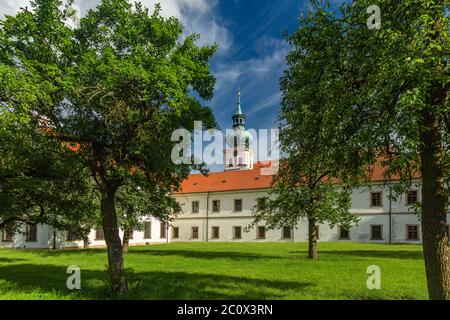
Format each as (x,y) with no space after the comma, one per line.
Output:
(221,271)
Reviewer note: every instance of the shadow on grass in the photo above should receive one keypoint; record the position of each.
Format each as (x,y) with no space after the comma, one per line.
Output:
(35,278)
(205,254)
(72,252)
(410,255)
(10,260)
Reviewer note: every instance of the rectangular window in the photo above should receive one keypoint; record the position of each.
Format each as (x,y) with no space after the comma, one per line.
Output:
(31,232)
(72,236)
(215,233)
(176,233)
(131,235)
(99,234)
(376,232)
(195,206)
(412,232)
(163,230)
(6,237)
(287,232)
(317,232)
(260,204)
(237,205)
(147,230)
(237,232)
(261,232)
(216,206)
(194,234)
(412,197)
(375,199)
(344,233)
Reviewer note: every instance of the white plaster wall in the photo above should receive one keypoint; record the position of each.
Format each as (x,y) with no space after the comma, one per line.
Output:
(402,215)
(138,237)
(19,239)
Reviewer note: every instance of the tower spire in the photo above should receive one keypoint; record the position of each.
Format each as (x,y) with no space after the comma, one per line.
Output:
(238,117)
(238,108)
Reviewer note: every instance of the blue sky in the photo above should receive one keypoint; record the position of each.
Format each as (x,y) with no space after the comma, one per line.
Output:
(253,57)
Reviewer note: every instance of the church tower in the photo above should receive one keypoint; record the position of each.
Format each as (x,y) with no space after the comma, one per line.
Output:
(238,155)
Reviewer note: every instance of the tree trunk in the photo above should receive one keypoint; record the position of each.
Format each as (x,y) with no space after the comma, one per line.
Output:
(54,239)
(126,239)
(312,239)
(434,215)
(85,242)
(114,245)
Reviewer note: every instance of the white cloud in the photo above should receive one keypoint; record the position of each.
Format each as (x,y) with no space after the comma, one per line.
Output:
(257,77)
(10,7)
(198,16)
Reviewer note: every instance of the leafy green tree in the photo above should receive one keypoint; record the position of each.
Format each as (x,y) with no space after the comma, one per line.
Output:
(40,181)
(135,204)
(117,83)
(385,92)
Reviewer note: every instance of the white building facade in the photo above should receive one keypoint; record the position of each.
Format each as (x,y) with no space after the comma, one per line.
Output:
(225,215)
(42,236)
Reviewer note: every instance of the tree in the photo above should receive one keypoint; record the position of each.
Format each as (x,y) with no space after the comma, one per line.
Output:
(118,84)
(290,200)
(40,180)
(135,203)
(385,91)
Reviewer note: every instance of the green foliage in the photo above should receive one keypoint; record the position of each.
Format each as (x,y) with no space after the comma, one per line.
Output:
(371,87)
(117,83)
(40,182)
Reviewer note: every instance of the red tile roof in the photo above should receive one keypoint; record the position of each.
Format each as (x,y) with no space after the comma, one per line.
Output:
(252,179)
(227,181)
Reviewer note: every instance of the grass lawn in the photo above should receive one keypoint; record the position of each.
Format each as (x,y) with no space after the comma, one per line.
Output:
(221,271)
